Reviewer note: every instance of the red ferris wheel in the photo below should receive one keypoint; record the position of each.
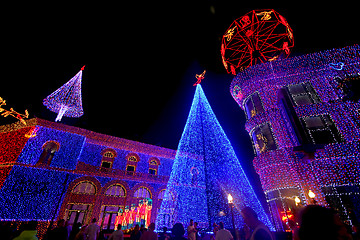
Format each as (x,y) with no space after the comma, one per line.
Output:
(257,37)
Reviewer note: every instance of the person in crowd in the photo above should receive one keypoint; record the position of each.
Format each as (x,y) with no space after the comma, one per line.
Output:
(59,232)
(81,235)
(150,234)
(136,233)
(191,231)
(142,228)
(164,235)
(215,229)
(196,226)
(355,232)
(318,222)
(223,234)
(68,228)
(74,231)
(178,232)
(29,232)
(256,229)
(93,230)
(117,235)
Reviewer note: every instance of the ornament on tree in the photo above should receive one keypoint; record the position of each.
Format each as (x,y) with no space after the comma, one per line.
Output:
(199,78)
(66,101)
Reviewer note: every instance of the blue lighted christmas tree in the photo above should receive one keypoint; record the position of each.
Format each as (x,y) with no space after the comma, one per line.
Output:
(66,101)
(204,172)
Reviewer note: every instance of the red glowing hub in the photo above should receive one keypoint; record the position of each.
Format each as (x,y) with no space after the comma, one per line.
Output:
(257,37)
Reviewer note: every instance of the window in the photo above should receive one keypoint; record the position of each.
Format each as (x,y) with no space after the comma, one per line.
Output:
(105,164)
(349,87)
(108,156)
(116,191)
(303,94)
(132,161)
(263,139)
(130,168)
(153,166)
(153,162)
(108,216)
(142,192)
(321,129)
(76,213)
(253,105)
(49,150)
(84,188)
(161,194)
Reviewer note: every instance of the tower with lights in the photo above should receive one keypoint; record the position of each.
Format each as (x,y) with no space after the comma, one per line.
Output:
(302,116)
(205,171)
(304,122)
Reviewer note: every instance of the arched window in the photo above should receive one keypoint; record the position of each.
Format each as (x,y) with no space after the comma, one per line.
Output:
(161,194)
(132,160)
(142,192)
(49,150)
(263,139)
(108,156)
(115,190)
(84,188)
(253,105)
(154,166)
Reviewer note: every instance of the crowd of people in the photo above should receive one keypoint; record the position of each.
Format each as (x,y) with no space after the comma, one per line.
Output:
(314,222)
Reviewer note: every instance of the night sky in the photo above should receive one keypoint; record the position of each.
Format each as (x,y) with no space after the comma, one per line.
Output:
(141,60)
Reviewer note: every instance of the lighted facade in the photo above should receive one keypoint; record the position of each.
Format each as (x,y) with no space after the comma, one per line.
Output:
(51,171)
(304,121)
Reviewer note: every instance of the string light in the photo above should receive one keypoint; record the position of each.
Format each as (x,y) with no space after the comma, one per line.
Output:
(12,112)
(202,194)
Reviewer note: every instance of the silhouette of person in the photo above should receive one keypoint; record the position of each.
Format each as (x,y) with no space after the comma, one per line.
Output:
(318,222)
(150,235)
(178,232)
(223,234)
(93,230)
(191,231)
(136,233)
(256,229)
(60,232)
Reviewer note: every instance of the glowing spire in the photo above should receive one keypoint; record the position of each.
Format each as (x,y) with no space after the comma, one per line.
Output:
(66,101)
(205,171)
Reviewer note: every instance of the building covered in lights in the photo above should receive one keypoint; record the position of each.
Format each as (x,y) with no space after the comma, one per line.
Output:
(51,171)
(304,121)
